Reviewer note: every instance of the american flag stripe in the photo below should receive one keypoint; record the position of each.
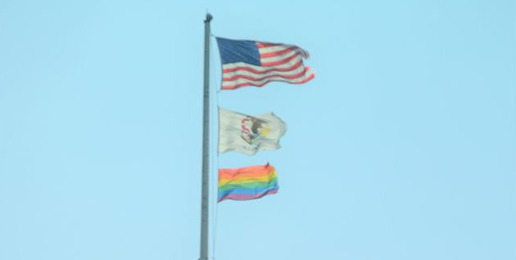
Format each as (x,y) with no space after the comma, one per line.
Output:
(278,60)
(249,63)
(276,52)
(262,70)
(258,76)
(290,65)
(282,47)
(300,78)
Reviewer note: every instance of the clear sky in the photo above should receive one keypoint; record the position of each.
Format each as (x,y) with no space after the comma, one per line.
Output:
(403,147)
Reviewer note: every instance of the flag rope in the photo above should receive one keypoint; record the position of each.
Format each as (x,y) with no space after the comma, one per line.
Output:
(215,159)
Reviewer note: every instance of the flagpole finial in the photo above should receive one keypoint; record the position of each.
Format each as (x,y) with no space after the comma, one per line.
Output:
(208,18)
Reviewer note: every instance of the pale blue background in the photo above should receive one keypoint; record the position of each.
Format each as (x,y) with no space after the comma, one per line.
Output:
(402,148)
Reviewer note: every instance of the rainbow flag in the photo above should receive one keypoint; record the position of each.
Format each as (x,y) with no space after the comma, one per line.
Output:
(247,183)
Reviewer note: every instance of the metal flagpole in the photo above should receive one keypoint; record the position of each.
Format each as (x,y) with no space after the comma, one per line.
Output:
(206,143)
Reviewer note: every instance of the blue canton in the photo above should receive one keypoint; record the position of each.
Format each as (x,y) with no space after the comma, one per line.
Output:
(232,51)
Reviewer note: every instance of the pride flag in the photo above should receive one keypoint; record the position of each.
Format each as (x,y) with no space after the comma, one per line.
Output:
(247,183)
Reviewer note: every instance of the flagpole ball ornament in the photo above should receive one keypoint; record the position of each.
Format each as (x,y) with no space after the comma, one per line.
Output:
(209,17)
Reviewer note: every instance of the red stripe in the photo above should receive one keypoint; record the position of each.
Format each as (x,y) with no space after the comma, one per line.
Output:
(293,67)
(277,53)
(267,44)
(294,76)
(279,62)
(261,85)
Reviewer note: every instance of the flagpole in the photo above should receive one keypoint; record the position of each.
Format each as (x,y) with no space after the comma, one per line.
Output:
(205,203)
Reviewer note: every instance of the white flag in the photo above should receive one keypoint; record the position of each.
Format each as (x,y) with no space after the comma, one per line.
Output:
(248,134)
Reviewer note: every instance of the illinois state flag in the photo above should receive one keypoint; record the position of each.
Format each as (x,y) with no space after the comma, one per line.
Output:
(249,134)
(252,63)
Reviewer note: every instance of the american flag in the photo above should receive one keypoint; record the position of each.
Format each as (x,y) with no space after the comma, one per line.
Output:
(252,63)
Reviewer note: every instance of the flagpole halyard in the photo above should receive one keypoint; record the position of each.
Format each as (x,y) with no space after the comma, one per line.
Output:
(206,143)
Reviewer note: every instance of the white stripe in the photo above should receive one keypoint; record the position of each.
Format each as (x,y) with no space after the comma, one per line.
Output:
(260,68)
(226,84)
(255,75)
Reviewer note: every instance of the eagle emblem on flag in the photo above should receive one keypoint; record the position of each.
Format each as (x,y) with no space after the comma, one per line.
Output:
(249,134)
(254,128)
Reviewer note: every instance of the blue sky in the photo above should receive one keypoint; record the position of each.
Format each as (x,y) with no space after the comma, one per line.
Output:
(403,147)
